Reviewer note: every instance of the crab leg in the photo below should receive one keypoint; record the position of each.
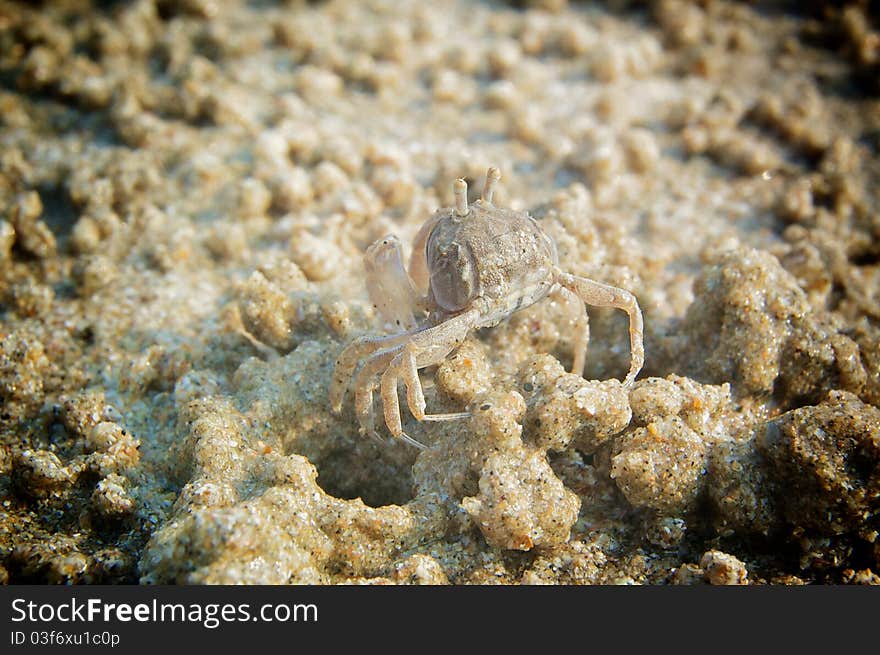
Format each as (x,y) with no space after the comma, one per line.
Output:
(363,389)
(391,403)
(604,295)
(351,357)
(415,397)
(426,348)
(582,331)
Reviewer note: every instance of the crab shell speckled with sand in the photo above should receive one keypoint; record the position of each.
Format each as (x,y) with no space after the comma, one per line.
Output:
(472,266)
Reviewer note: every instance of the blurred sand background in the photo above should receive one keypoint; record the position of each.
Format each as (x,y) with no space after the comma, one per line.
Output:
(186,192)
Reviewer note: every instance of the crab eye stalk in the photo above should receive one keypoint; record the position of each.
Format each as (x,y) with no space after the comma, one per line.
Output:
(459,190)
(493,175)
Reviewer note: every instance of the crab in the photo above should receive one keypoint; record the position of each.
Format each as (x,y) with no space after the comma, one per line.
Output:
(472,266)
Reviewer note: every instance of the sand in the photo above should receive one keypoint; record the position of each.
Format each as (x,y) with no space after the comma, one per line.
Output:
(187,190)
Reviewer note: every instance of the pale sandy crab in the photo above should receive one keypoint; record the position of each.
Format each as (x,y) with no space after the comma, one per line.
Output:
(472,265)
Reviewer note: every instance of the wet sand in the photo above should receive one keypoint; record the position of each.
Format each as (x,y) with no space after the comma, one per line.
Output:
(186,193)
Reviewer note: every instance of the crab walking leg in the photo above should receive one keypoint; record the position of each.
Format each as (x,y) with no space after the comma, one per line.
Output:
(415,396)
(407,366)
(582,331)
(363,389)
(604,295)
(426,348)
(391,403)
(351,357)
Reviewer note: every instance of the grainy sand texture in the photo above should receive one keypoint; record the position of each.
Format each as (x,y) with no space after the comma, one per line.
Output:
(187,190)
